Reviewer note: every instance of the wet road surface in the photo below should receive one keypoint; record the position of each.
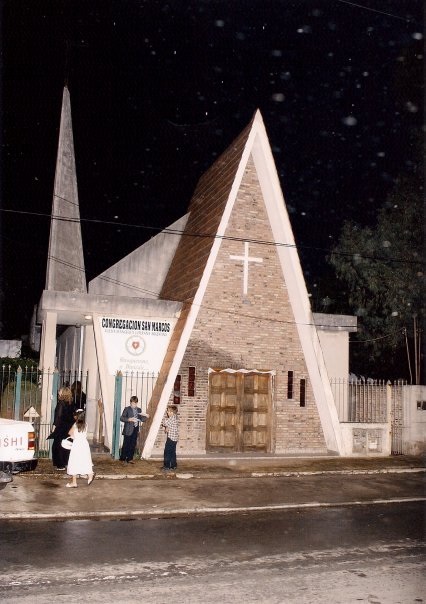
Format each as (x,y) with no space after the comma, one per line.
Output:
(373,553)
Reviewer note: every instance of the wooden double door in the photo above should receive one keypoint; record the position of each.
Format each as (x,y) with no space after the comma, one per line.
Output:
(239,412)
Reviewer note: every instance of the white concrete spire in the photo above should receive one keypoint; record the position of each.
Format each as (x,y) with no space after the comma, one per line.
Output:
(65,263)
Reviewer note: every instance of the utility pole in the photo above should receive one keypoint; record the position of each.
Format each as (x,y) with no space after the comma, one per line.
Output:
(416,364)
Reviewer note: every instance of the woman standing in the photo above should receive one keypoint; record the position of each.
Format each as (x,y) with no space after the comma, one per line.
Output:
(80,461)
(63,420)
(78,396)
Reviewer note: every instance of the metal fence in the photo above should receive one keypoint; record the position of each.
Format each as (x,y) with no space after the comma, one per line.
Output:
(43,448)
(397,446)
(22,390)
(138,384)
(129,384)
(364,401)
(26,390)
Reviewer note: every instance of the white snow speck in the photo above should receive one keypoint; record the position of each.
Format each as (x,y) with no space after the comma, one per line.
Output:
(278,97)
(350,120)
(219,23)
(411,107)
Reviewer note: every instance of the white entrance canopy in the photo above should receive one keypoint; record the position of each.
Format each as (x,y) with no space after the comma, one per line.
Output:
(77,308)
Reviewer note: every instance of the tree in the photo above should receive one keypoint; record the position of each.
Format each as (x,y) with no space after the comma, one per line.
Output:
(383,271)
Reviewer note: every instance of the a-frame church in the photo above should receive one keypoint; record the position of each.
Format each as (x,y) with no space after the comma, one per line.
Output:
(216,303)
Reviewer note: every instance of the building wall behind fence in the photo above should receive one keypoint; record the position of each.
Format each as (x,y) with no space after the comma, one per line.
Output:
(414,420)
(367,439)
(10,348)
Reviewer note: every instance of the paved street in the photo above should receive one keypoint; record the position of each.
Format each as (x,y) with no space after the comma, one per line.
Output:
(308,531)
(369,553)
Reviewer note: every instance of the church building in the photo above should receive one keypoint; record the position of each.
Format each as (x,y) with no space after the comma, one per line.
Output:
(215,307)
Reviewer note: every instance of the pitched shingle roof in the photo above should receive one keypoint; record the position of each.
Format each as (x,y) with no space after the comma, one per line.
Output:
(186,270)
(205,213)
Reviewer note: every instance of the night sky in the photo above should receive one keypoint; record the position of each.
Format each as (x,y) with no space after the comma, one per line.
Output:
(160,89)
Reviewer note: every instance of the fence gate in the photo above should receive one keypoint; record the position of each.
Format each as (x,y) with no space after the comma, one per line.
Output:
(134,383)
(397,420)
(372,401)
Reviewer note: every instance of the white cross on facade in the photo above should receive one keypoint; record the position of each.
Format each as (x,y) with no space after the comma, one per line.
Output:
(246,259)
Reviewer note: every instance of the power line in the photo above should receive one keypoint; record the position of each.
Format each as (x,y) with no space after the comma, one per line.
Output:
(222,310)
(388,335)
(169,231)
(103,277)
(374,10)
(202,305)
(228,312)
(127,285)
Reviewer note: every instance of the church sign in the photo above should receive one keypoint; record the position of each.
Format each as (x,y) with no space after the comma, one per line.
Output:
(135,344)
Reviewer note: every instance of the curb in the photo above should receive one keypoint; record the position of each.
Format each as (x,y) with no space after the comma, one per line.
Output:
(196,511)
(341,472)
(216,475)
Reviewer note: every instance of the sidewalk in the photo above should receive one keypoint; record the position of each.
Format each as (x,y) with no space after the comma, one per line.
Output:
(211,485)
(238,466)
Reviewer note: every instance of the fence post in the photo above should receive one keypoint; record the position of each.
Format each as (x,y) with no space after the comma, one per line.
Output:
(53,398)
(17,403)
(389,411)
(115,449)
(55,384)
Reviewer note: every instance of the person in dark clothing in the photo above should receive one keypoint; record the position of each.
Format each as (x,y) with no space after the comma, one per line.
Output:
(63,420)
(78,396)
(131,417)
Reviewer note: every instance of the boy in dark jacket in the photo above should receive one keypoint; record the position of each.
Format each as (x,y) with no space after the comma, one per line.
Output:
(131,417)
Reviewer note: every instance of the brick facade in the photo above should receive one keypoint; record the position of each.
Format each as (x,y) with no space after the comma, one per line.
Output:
(256,331)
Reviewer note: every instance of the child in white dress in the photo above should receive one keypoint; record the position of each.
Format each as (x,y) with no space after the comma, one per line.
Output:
(80,460)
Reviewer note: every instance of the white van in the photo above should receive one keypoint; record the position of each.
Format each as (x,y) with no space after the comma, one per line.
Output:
(17,447)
